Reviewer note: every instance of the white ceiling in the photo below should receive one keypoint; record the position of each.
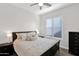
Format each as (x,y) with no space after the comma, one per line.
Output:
(35,9)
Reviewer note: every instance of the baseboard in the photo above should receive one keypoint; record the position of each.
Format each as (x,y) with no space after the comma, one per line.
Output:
(64,47)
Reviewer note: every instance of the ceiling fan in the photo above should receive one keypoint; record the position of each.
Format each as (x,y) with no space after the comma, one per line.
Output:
(41,5)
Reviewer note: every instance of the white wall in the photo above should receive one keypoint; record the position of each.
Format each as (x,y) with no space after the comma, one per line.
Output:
(70,19)
(13,18)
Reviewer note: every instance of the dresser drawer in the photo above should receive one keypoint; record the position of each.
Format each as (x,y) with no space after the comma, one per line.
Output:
(73,41)
(74,44)
(74,35)
(76,52)
(76,38)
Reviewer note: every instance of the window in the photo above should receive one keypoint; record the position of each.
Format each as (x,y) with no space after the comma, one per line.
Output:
(54,27)
(57,27)
(49,26)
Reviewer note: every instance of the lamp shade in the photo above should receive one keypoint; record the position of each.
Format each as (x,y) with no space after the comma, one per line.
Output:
(9,34)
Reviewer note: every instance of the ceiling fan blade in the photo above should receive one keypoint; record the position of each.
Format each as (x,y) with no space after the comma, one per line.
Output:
(40,7)
(47,4)
(33,4)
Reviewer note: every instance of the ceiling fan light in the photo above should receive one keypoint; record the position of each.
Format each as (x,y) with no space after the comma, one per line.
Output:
(40,4)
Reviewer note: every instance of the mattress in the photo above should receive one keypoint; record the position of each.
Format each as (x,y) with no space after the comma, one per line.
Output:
(33,48)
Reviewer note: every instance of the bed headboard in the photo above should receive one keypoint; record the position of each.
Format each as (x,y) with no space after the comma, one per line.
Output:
(15,36)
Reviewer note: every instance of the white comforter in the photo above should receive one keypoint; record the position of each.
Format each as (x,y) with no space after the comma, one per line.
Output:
(33,48)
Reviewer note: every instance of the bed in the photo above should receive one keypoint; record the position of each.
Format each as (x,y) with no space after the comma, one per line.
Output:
(38,47)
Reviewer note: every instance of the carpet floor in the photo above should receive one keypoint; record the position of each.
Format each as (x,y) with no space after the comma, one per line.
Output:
(63,52)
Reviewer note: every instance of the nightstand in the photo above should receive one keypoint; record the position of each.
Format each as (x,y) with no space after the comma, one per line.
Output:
(6,49)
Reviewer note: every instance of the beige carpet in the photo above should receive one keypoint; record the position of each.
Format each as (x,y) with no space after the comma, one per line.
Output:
(63,52)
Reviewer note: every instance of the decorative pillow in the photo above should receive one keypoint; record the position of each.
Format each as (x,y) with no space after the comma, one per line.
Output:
(35,37)
(19,36)
(24,36)
(31,36)
(27,36)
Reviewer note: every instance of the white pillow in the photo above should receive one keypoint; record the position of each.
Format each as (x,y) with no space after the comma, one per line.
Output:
(31,36)
(19,36)
(35,37)
(24,36)
(27,36)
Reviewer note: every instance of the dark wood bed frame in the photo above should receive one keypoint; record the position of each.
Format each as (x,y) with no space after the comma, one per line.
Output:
(50,52)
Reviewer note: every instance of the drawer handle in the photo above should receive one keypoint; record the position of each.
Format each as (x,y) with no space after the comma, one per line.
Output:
(75,34)
(75,48)
(76,37)
(76,44)
(75,41)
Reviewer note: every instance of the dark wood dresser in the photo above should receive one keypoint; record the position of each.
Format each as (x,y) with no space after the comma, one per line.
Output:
(74,43)
(6,49)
